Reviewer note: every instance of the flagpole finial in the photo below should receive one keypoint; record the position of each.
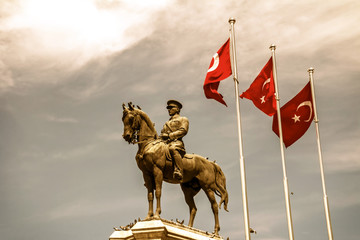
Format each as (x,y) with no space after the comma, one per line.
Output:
(272,47)
(232,20)
(311,70)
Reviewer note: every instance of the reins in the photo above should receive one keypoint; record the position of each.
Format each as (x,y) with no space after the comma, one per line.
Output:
(136,135)
(146,140)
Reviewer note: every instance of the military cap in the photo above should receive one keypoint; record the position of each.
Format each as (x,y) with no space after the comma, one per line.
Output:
(173,103)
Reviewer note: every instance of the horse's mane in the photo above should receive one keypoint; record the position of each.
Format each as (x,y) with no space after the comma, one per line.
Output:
(143,115)
(147,120)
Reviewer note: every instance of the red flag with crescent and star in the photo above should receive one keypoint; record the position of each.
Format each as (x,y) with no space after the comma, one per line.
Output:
(262,91)
(296,116)
(219,69)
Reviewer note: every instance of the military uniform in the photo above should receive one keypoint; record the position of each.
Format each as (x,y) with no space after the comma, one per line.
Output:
(177,127)
(173,131)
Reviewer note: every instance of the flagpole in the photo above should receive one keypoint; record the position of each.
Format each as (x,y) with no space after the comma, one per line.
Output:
(242,162)
(286,185)
(316,120)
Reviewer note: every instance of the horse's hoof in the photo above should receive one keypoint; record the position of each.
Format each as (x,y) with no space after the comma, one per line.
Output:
(157,217)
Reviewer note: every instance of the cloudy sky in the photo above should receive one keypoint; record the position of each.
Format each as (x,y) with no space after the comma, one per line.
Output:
(66,67)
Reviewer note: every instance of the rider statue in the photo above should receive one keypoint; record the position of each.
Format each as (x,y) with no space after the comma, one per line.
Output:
(173,132)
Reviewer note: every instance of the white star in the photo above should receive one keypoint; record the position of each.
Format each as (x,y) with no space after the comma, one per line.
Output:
(262,99)
(296,118)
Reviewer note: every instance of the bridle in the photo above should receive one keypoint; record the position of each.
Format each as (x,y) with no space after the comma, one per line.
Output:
(135,126)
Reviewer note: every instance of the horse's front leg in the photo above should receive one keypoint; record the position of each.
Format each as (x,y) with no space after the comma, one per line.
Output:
(158,176)
(150,194)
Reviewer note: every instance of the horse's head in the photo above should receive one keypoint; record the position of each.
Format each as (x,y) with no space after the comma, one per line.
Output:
(131,119)
(137,125)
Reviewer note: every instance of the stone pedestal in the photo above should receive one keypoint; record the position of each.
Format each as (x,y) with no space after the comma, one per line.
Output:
(161,230)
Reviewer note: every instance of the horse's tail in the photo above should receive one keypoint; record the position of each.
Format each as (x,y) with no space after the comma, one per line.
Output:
(220,183)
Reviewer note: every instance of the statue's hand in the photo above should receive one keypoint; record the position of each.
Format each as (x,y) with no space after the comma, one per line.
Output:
(164,136)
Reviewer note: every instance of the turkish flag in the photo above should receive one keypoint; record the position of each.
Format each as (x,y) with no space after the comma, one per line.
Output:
(219,69)
(296,116)
(262,91)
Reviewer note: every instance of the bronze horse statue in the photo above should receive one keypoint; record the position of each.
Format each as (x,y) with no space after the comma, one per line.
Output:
(153,161)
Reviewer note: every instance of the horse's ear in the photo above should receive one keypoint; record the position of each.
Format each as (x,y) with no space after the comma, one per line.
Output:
(123,105)
(138,107)
(131,107)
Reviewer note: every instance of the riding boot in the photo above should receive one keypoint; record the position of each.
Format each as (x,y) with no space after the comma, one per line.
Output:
(178,166)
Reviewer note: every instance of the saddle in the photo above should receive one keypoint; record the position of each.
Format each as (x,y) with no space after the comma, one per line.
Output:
(159,145)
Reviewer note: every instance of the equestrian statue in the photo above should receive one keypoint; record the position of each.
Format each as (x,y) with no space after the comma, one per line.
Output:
(163,158)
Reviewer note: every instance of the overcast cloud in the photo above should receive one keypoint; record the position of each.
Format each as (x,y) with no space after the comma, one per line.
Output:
(66,67)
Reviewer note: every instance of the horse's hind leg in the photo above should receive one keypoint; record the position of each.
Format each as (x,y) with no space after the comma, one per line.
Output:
(189,193)
(149,184)
(214,206)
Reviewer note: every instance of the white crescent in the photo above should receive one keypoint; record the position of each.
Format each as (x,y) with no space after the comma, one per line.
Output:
(215,64)
(306,103)
(266,82)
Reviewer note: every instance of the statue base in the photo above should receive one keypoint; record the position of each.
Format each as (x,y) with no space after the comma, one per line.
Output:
(160,230)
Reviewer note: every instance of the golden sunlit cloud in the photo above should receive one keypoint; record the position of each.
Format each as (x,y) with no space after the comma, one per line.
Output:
(83,25)
(79,19)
